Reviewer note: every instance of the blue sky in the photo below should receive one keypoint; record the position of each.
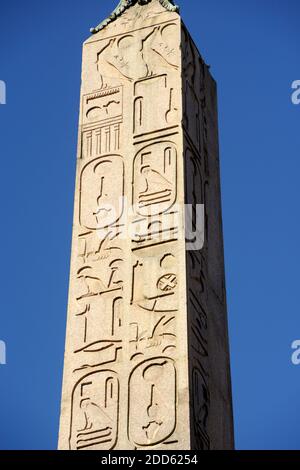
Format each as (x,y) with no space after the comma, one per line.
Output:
(253,49)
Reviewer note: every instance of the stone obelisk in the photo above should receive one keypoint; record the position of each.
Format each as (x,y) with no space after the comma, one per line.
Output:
(147,361)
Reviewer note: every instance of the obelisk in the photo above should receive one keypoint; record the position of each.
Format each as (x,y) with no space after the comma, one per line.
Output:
(147,358)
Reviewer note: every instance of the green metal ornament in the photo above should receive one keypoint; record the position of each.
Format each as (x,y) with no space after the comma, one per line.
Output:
(125,4)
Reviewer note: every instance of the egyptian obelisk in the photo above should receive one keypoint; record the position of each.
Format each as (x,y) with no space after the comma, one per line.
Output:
(147,358)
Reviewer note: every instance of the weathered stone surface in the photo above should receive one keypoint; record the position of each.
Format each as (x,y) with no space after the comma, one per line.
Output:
(146,361)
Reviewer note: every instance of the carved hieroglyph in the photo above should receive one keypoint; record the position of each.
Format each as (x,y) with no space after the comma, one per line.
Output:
(146,361)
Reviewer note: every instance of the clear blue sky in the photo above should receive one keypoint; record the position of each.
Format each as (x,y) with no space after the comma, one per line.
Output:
(253,48)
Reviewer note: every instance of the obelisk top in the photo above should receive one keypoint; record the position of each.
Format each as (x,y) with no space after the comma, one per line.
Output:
(125,4)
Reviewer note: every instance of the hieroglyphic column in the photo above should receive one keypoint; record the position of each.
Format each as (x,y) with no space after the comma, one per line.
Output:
(146,361)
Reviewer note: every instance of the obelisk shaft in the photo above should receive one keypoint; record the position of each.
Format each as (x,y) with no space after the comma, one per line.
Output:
(146,362)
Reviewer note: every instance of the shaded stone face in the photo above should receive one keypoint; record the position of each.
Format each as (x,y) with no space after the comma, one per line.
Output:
(146,363)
